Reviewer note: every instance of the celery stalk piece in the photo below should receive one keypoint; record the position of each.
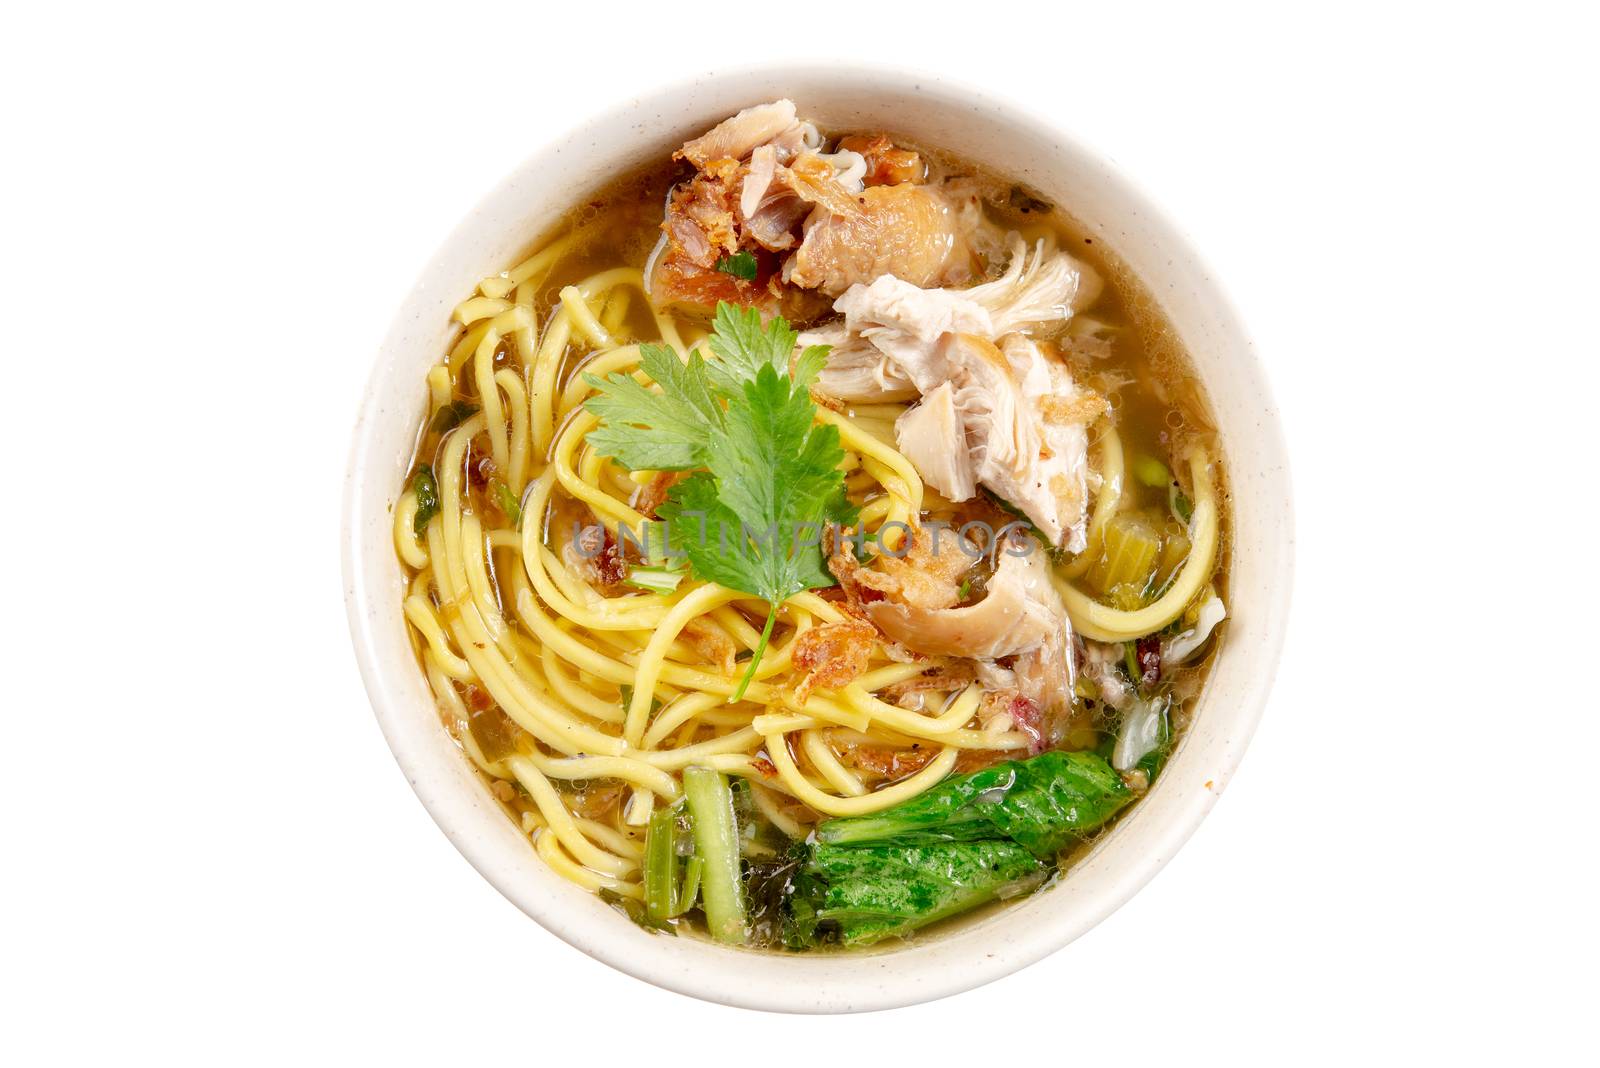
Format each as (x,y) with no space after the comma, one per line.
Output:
(1174,551)
(654,579)
(1129,554)
(717,843)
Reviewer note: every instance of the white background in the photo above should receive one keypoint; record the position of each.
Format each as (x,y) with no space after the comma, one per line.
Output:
(209,216)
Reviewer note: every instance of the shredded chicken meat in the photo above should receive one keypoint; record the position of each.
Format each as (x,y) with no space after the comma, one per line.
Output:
(1007,416)
(868,228)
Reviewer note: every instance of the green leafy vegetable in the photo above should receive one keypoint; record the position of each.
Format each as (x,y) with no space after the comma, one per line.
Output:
(427,493)
(769,884)
(450,416)
(879,891)
(973,838)
(1041,804)
(765,477)
(741,264)
(647,430)
(634,910)
(716,842)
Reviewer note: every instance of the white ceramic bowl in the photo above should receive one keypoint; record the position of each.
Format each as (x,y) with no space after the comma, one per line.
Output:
(1034,151)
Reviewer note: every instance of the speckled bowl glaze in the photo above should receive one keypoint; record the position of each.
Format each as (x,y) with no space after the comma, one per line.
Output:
(1035,151)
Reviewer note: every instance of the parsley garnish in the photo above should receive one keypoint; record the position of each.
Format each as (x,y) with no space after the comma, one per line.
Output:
(741,264)
(765,478)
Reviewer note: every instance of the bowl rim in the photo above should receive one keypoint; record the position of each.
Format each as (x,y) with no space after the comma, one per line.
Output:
(878,986)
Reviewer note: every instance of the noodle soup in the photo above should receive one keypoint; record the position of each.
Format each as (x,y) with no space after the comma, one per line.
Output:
(815,538)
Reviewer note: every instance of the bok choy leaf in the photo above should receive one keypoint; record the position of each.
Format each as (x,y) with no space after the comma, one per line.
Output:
(880,891)
(1041,804)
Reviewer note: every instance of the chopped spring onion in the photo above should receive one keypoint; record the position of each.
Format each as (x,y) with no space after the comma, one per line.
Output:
(741,264)
(427,491)
(716,841)
(451,415)
(1151,472)
(654,579)
(507,501)
(1181,506)
(1130,663)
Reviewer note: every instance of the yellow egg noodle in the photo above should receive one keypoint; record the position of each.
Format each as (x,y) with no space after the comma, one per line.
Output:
(608,688)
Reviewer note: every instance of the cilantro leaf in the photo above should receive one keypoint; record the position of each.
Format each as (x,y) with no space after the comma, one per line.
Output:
(705,531)
(774,468)
(649,431)
(687,381)
(765,475)
(743,346)
(809,365)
